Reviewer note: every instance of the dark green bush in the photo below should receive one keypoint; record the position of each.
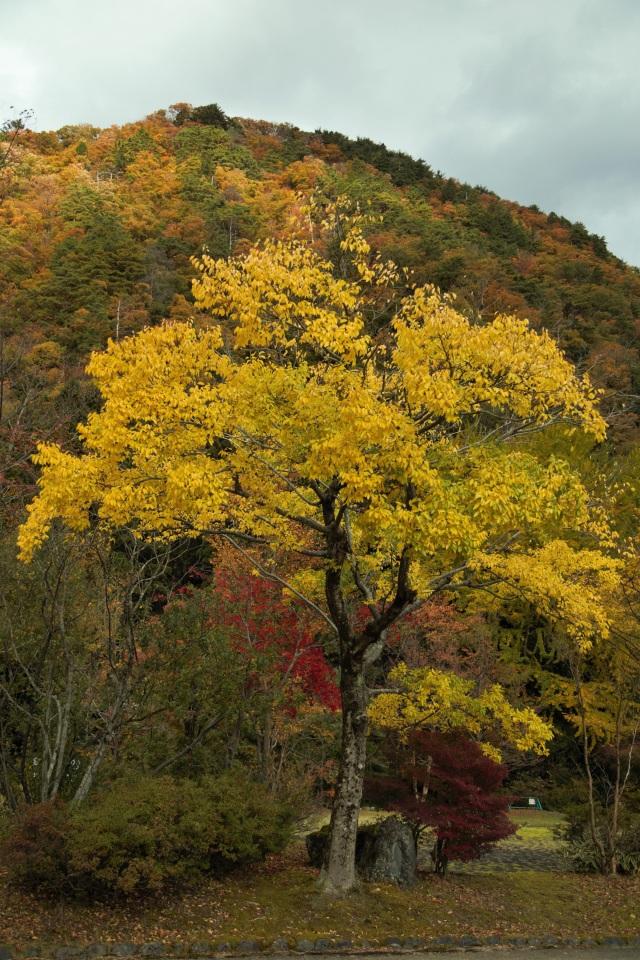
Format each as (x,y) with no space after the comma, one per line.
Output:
(146,835)
(582,853)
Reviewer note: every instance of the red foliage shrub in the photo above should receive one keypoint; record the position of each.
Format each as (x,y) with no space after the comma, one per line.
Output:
(279,636)
(445,781)
(37,848)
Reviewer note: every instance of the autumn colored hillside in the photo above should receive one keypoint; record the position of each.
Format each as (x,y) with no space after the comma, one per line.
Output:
(97,228)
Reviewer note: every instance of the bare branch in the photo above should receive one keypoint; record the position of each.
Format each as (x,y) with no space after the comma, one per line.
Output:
(217,719)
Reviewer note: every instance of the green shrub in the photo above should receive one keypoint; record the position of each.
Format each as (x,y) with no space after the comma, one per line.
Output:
(558,792)
(629,850)
(151,833)
(146,835)
(581,851)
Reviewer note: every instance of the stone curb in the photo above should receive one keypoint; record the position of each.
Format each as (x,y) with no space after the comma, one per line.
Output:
(393,945)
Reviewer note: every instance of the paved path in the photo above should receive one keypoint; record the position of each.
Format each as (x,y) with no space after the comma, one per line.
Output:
(530,849)
(533,848)
(506,953)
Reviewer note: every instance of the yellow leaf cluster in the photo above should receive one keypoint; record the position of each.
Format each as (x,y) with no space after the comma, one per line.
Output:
(569,587)
(283,296)
(432,699)
(451,367)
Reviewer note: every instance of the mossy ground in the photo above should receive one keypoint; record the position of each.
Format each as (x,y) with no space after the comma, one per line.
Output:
(280,899)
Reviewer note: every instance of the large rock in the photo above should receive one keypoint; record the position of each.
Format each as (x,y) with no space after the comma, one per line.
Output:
(390,855)
(385,851)
(316,844)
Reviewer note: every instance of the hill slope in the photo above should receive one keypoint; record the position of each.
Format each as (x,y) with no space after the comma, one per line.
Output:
(97,228)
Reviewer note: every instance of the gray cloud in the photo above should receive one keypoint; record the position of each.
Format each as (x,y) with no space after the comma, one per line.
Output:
(539,102)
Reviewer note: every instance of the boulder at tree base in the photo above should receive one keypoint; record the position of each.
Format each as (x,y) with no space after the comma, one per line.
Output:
(385,852)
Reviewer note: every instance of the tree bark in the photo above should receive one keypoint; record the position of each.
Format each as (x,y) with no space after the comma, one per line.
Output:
(338,874)
(597,842)
(106,739)
(357,651)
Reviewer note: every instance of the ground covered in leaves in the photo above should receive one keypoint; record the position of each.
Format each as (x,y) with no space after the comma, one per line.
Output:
(280,899)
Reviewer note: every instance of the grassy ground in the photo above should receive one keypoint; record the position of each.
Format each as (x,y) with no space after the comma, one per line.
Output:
(280,899)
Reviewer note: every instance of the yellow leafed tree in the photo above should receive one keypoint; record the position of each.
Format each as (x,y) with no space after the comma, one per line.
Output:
(598,692)
(370,436)
(427,698)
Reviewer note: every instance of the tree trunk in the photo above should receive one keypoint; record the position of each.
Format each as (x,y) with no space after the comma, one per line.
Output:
(597,842)
(107,739)
(357,651)
(338,874)
(265,750)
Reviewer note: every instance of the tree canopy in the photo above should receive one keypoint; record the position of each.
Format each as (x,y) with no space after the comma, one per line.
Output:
(362,441)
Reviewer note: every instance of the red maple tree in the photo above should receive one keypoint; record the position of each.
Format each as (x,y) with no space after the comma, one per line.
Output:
(274,634)
(444,782)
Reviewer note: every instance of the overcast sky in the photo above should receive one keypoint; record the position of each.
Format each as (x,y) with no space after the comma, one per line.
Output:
(538,101)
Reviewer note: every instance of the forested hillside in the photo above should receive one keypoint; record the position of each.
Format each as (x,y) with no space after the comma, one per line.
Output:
(97,228)
(442,450)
